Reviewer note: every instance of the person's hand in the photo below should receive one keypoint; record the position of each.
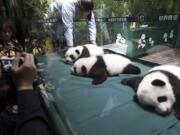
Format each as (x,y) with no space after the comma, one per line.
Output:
(23,74)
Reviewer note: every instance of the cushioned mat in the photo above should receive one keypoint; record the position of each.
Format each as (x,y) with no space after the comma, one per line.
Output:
(107,109)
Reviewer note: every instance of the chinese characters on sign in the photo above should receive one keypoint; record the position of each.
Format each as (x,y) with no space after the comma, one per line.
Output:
(168,18)
(113,19)
(120,19)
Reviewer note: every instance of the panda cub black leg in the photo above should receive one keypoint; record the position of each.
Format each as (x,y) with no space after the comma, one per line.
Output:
(132,82)
(99,77)
(131,69)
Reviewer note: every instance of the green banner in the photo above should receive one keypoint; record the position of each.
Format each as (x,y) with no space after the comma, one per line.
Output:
(161,18)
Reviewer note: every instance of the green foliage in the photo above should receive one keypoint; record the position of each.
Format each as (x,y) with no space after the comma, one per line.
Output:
(39,7)
(80,33)
(132,7)
(22,8)
(154,7)
(13,8)
(25,12)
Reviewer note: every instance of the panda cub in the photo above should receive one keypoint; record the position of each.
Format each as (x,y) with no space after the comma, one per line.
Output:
(159,88)
(74,53)
(99,67)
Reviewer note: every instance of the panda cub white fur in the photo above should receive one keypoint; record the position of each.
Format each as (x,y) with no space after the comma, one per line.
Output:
(74,53)
(99,67)
(159,88)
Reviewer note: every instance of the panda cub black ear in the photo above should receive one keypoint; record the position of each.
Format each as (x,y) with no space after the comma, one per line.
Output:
(158,82)
(77,51)
(135,98)
(84,70)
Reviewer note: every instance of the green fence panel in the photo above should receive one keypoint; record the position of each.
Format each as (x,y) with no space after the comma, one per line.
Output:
(152,36)
(178,36)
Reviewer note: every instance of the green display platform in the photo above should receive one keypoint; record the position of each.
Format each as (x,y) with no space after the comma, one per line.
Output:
(80,108)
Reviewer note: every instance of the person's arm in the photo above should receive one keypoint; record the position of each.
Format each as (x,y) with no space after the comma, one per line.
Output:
(92,29)
(32,119)
(68,19)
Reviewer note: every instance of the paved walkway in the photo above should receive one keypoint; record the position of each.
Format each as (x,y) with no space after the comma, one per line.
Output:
(161,54)
(170,56)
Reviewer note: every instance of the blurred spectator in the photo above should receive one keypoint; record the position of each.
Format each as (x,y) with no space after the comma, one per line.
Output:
(35,47)
(8,43)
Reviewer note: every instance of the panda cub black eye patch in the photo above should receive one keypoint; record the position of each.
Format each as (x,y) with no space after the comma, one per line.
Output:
(83,69)
(158,82)
(162,99)
(72,57)
(77,51)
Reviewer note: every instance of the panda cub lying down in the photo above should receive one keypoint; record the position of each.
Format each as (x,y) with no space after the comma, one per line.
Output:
(159,88)
(99,67)
(74,53)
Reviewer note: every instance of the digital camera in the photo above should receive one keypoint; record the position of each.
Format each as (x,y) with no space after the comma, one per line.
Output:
(6,63)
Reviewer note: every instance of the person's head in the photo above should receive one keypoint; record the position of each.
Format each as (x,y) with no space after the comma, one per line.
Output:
(7,30)
(85,7)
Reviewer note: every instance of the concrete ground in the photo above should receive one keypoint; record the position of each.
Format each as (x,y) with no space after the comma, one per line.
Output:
(167,56)
(161,54)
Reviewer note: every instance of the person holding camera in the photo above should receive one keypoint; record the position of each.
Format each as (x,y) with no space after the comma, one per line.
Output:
(67,10)
(29,114)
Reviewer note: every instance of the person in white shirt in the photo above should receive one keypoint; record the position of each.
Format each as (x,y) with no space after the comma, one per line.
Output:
(68,10)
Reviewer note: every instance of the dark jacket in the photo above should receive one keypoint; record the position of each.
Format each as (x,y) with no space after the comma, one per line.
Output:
(31,118)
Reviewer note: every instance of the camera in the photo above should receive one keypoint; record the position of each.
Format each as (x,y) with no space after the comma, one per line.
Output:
(6,63)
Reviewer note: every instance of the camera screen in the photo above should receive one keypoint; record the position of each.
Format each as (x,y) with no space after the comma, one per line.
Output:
(6,63)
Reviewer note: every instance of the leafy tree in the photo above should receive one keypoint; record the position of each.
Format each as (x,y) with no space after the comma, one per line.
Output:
(22,8)
(132,7)
(25,13)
